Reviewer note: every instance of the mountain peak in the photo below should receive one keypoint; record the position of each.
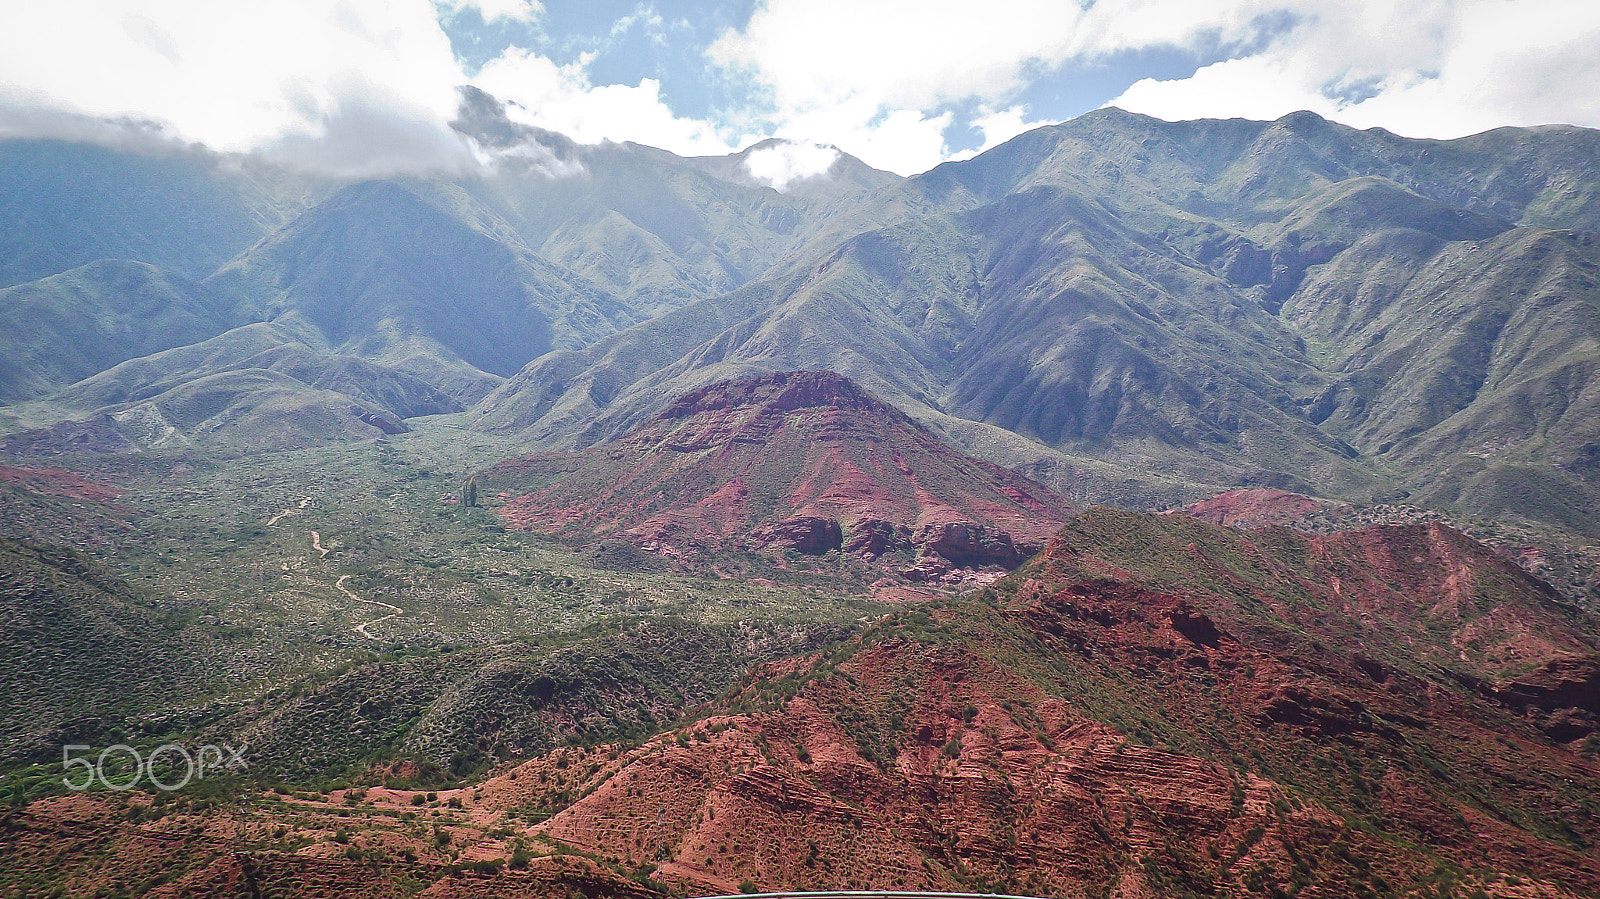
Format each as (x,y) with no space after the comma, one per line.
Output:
(779,392)
(802,461)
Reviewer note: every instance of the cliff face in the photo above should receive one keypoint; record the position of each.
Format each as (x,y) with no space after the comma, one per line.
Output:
(794,461)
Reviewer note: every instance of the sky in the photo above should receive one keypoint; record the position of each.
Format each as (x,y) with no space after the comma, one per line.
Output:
(369,87)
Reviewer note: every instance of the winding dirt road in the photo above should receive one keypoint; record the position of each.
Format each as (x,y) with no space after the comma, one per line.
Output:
(292,510)
(394,611)
(322,555)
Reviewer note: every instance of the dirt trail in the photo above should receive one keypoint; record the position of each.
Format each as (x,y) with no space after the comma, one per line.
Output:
(292,510)
(322,555)
(394,611)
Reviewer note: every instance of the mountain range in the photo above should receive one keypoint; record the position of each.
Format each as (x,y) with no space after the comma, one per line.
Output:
(1291,304)
(1126,309)
(614,523)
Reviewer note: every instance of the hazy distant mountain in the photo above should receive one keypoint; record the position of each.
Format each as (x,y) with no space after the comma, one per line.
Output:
(66,327)
(314,395)
(419,276)
(1202,300)
(409,296)
(655,230)
(64,205)
(846,177)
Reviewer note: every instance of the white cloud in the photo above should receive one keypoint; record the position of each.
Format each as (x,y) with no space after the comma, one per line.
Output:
(367,133)
(491,10)
(561,98)
(877,77)
(369,86)
(899,140)
(999,126)
(897,53)
(299,76)
(871,75)
(1251,88)
(645,16)
(1436,69)
(786,162)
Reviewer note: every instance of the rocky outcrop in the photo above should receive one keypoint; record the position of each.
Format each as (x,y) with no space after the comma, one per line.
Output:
(969,545)
(1195,626)
(98,435)
(1321,713)
(382,420)
(1562,694)
(872,537)
(1256,507)
(808,535)
(779,392)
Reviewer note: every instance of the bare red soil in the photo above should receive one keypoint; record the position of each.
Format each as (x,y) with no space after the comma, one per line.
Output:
(1255,507)
(1155,706)
(800,461)
(59,482)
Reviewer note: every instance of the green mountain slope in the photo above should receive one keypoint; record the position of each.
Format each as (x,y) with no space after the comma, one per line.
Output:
(82,651)
(418,275)
(1476,370)
(287,357)
(66,204)
(1182,300)
(461,711)
(66,327)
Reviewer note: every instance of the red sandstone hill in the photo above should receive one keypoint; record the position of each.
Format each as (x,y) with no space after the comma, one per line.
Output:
(1155,706)
(802,461)
(1254,507)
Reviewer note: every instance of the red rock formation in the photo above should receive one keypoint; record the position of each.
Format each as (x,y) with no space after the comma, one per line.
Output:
(872,537)
(972,545)
(792,461)
(1255,507)
(1152,707)
(807,534)
(1563,695)
(59,482)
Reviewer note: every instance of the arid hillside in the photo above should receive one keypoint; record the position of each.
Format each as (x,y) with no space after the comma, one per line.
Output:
(805,462)
(1155,706)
